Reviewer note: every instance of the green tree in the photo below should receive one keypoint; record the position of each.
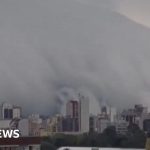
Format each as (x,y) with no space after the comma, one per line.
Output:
(135,137)
(47,146)
(109,137)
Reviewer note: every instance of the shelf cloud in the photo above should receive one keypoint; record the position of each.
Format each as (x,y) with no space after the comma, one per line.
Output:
(52,50)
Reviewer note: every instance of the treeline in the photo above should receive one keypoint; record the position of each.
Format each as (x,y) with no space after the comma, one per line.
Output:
(134,138)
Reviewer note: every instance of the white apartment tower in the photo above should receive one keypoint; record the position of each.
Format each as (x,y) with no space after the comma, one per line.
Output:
(9,111)
(84,114)
(113,114)
(17,112)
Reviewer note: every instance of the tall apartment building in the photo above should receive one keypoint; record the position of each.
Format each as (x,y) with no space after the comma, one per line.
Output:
(84,114)
(17,112)
(9,112)
(93,123)
(133,115)
(72,109)
(113,114)
(71,122)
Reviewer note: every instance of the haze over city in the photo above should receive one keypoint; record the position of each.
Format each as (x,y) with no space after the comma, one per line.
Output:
(52,50)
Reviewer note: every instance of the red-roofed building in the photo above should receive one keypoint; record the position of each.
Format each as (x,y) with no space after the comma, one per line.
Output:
(22,143)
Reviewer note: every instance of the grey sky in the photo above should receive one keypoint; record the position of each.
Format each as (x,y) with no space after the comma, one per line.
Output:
(50,50)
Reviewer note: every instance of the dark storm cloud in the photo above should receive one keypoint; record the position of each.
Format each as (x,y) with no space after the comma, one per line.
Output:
(50,50)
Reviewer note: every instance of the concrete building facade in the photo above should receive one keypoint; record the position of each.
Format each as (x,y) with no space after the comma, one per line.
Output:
(84,114)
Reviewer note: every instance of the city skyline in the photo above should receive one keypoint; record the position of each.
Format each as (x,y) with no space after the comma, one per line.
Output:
(74,73)
(77,119)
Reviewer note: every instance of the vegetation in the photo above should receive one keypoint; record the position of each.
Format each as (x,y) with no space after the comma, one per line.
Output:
(134,138)
(47,146)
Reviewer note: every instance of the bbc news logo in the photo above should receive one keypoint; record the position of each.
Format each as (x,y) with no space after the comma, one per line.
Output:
(9,134)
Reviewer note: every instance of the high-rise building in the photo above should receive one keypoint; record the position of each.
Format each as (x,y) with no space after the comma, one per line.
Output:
(140,109)
(24,127)
(133,115)
(17,112)
(7,111)
(84,114)
(71,122)
(35,122)
(102,124)
(72,109)
(93,123)
(113,114)
(144,122)
(104,109)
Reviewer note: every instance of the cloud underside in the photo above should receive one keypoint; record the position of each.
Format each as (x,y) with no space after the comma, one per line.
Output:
(51,50)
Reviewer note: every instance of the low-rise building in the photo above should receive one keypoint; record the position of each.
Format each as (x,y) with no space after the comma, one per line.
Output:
(121,127)
(23,143)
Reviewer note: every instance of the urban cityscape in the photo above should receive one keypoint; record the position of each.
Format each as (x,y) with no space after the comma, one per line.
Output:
(76,121)
(74,73)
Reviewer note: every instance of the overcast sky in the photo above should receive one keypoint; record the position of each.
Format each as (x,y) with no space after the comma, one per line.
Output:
(51,50)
